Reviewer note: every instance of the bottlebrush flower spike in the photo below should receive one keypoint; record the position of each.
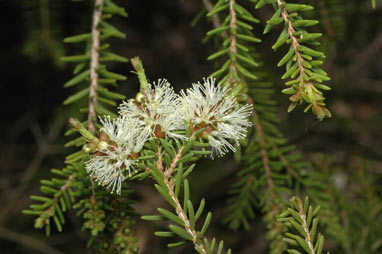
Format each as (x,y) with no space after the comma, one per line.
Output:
(157,109)
(211,107)
(121,140)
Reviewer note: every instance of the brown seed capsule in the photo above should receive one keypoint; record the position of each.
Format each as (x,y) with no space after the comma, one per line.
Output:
(158,131)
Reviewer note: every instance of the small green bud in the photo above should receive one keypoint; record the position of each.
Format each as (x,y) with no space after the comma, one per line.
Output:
(89,147)
(140,97)
(103,145)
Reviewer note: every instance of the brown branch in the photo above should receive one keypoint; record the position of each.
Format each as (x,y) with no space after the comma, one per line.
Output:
(94,63)
(215,18)
(45,22)
(44,149)
(325,19)
(285,162)
(263,151)
(28,241)
(295,43)
(48,212)
(232,46)
(306,228)
(166,172)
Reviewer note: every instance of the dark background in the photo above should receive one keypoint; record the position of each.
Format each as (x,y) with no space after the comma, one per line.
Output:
(33,119)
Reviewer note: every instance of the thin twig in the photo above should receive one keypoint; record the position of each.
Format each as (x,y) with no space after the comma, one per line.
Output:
(94,63)
(44,149)
(215,18)
(306,229)
(166,172)
(28,241)
(295,42)
(49,212)
(263,151)
(232,47)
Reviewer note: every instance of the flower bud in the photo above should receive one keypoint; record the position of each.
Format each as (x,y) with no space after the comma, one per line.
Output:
(89,148)
(103,145)
(140,97)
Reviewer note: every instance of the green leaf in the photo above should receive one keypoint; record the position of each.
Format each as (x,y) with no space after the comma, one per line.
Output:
(218,54)
(275,19)
(186,194)
(281,39)
(217,10)
(295,215)
(164,234)
(191,214)
(303,244)
(178,179)
(217,30)
(112,75)
(189,170)
(77,79)
(79,95)
(165,195)
(108,56)
(172,245)
(287,56)
(180,232)
(158,177)
(168,148)
(310,51)
(58,224)
(200,209)
(169,215)
(248,38)
(245,72)
(298,227)
(152,217)
(111,95)
(244,25)
(320,244)
(304,22)
(247,60)
(298,7)
(207,222)
(77,58)
(78,38)
(314,229)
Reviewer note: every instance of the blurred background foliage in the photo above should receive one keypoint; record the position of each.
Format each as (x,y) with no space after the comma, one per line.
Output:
(346,148)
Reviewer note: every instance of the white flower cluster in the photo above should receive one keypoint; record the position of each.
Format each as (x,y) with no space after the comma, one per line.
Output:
(158,112)
(214,109)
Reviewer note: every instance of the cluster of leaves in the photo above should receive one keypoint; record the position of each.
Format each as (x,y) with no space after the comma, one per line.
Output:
(301,61)
(169,171)
(301,221)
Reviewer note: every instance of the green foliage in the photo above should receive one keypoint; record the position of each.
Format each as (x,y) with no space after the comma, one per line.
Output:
(302,62)
(109,219)
(270,169)
(269,166)
(59,195)
(363,225)
(301,221)
(170,177)
(43,38)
